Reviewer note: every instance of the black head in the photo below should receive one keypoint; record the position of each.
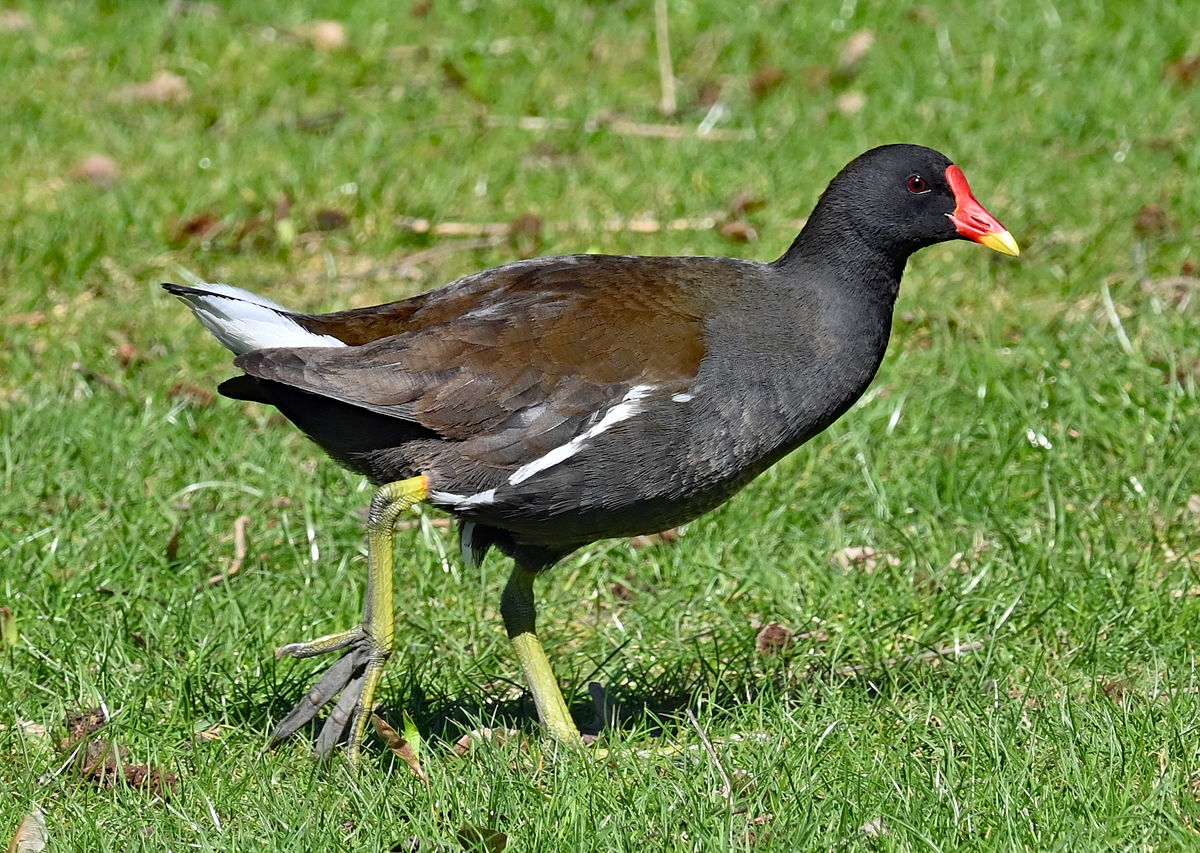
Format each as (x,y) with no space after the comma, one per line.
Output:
(897,199)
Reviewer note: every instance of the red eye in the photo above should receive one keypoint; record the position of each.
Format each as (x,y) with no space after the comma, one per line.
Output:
(916,184)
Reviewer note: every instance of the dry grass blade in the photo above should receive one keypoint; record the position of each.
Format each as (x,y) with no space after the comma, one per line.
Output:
(239,552)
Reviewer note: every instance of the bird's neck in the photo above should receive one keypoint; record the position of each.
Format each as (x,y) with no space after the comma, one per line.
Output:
(834,251)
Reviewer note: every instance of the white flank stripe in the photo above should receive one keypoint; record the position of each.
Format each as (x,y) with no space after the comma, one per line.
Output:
(454,501)
(682,398)
(629,406)
(244,321)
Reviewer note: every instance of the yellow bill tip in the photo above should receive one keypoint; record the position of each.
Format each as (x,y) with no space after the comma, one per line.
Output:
(1002,242)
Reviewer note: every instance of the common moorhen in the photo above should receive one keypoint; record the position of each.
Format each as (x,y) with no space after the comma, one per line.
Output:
(552,402)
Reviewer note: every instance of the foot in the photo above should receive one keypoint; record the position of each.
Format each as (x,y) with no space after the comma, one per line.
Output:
(355,676)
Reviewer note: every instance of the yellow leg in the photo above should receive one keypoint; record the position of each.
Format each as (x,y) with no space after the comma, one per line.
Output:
(357,673)
(519,611)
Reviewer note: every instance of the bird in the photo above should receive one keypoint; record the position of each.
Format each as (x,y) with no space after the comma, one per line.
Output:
(552,402)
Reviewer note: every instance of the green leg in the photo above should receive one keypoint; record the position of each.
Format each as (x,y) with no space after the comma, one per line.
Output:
(357,673)
(519,612)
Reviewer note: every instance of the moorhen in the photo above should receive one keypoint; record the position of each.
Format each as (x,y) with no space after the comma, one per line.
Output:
(552,402)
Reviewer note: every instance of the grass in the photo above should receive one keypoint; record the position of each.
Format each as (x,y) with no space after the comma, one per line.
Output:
(1031,477)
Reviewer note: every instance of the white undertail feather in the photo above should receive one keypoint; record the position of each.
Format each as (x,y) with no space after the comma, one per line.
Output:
(244,321)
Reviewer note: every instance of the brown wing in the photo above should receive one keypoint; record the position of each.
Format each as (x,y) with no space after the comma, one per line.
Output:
(516,360)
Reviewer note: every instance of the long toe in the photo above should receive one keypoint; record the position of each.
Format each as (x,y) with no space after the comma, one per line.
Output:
(333,682)
(352,681)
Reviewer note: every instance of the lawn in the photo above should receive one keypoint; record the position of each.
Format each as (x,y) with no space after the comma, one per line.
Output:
(1011,666)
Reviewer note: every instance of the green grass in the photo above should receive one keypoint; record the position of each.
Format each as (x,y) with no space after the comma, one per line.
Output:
(1074,725)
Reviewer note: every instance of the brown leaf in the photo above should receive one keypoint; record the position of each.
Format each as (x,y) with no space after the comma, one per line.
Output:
(1184,71)
(31,836)
(99,170)
(164,87)
(745,202)
(526,234)
(453,77)
(664,537)
(773,639)
(421,8)
(127,354)
(923,14)
(192,394)
(619,590)
(863,555)
(739,231)
(479,736)
(707,94)
(400,745)
(199,227)
(32,319)
(331,219)
(1151,221)
(766,80)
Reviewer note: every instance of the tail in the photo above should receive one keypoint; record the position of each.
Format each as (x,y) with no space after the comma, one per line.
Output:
(244,321)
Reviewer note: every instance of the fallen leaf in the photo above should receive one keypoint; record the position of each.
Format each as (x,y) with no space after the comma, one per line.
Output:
(923,14)
(850,103)
(773,639)
(1151,221)
(856,49)
(127,354)
(1184,71)
(407,746)
(863,555)
(526,234)
(323,35)
(1193,504)
(739,231)
(707,94)
(98,170)
(14,20)
(31,836)
(32,319)
(619,590)
(421,8)
(331,219)
(164,87)
(664,537)
(765,81)
(202,226)
(193,395)
(479,736)
(745,202)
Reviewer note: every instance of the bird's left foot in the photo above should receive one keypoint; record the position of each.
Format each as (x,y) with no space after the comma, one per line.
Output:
(359,670)
(355,676)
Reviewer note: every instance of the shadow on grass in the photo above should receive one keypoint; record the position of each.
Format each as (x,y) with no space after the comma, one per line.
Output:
(638,703)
